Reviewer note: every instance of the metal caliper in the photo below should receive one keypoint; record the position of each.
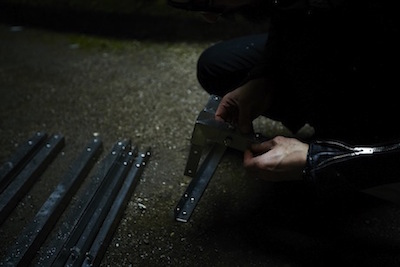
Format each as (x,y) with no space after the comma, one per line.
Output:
(217,136)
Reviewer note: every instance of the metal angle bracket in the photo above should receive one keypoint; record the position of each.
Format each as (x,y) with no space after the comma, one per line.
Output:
(104,236)
(100,206)
(57,251)
(220,135)
(207,130)
(198,184)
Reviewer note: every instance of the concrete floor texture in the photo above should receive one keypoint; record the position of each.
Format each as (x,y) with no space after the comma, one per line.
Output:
(143,87)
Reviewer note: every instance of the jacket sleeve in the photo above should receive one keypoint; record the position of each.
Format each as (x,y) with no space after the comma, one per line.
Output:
(335,166)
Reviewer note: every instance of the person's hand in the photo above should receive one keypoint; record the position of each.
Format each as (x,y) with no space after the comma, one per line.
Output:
(278,159)
(241,106)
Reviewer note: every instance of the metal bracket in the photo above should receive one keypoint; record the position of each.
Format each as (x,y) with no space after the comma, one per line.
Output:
(208,130)
(221,135)
(199,183)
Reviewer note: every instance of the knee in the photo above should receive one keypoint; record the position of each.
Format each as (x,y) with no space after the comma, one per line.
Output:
(212,73)
(205,72)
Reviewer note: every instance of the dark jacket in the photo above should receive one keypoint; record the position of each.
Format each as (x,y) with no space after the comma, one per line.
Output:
(338,62)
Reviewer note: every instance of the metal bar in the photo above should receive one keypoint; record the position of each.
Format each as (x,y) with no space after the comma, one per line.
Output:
(193,160)
(220,132)
(35,233)
(90,208)
(26,178)
(212,104)
(101,206)
(103,238)
(199,139)
(199,183)
(20,158)
(59,246)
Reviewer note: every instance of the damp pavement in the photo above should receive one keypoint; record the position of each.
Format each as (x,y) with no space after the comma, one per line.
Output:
(82,84)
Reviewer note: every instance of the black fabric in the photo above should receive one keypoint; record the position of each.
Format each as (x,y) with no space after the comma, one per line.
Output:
(226,65)
(334,167)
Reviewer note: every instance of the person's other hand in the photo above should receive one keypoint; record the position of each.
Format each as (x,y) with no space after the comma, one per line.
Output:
(278,159)
(241,106)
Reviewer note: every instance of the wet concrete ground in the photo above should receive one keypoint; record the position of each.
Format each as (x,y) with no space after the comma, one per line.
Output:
(144,89)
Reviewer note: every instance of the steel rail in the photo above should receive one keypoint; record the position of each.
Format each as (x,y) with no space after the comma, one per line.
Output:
(28,176)
(30,240)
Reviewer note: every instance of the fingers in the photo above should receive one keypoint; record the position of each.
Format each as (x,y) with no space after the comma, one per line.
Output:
(248,160)
(224,112)
(263,147)
(258,168)
(278,159)
(252,161)
(231,111)
(258,158)
(226,109)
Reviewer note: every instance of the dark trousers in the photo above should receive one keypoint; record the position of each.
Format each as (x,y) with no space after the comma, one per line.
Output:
(229,64)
